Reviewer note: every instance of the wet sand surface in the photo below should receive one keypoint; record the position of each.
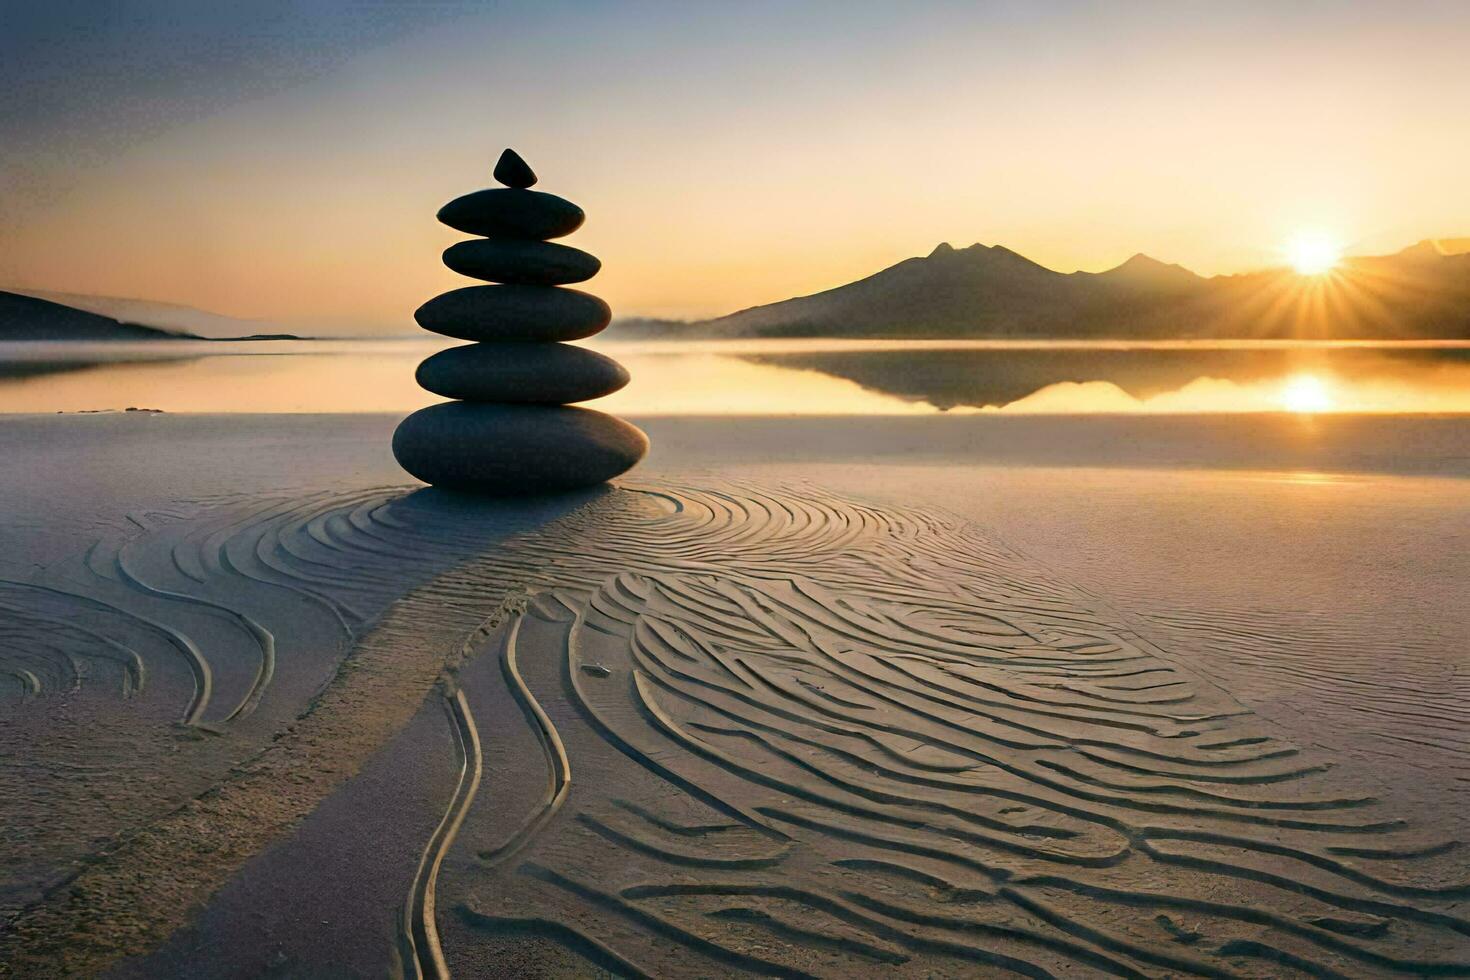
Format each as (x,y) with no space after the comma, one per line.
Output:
(741,714)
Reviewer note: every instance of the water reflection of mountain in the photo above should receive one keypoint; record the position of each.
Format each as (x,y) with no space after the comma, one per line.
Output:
(25,368)
(950,378)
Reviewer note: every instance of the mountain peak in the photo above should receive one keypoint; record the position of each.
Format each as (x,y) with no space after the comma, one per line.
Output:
(1146,270)
(1452,246)
(980,252)
(1140,261)
(1431,249)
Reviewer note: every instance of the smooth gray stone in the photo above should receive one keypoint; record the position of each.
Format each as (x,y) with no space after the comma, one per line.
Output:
(540,313)
(509,212)
(515,260)
(546,374)
(512,171)
(515,450)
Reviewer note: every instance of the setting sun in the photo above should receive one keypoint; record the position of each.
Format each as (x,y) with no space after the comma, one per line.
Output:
(1313,255)
(1306,393)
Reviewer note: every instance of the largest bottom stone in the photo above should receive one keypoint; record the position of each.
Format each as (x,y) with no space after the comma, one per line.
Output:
(515,449)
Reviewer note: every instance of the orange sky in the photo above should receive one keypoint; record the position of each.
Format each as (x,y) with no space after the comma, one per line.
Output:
(728,157)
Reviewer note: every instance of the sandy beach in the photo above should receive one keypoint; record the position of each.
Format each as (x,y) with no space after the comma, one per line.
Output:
(1067,696)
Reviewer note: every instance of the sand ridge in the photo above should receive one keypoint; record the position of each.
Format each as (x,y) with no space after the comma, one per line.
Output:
(810,737)
(251,665)
(743,728)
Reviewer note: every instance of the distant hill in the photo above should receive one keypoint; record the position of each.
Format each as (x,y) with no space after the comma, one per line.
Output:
(172,317)
(29,318)
(1451,246)
(992,292)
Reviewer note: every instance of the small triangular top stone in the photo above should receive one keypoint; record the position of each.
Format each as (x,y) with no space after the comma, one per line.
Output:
(512,171)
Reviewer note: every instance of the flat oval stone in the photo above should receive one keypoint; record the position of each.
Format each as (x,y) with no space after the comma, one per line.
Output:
(516,260)
(511,212)
(515,450)
(538,313)
(547,374)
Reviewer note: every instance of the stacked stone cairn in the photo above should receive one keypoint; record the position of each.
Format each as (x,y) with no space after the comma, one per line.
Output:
(512,430)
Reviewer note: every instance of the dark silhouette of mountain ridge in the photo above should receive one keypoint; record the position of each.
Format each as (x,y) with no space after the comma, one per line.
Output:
(169,317)
(990,291)
(30,318)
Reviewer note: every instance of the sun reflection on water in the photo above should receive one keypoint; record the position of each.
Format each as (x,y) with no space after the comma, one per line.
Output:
(1306,393)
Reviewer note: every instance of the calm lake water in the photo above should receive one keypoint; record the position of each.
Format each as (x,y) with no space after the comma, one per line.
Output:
(769,377)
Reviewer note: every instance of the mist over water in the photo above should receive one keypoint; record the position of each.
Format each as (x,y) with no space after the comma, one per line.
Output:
(770,377)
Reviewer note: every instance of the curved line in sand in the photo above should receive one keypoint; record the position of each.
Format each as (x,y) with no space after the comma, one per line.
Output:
(127,659)
(262,637)
(198,665)
(559,767)
(425,955)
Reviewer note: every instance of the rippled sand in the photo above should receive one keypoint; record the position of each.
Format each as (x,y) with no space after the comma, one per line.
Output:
(726,718)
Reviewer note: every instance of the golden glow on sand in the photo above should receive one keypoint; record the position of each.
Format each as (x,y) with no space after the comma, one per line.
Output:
(1313,254)
(1306,393)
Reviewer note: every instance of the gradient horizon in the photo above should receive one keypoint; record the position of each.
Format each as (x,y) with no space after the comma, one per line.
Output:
(285,164)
